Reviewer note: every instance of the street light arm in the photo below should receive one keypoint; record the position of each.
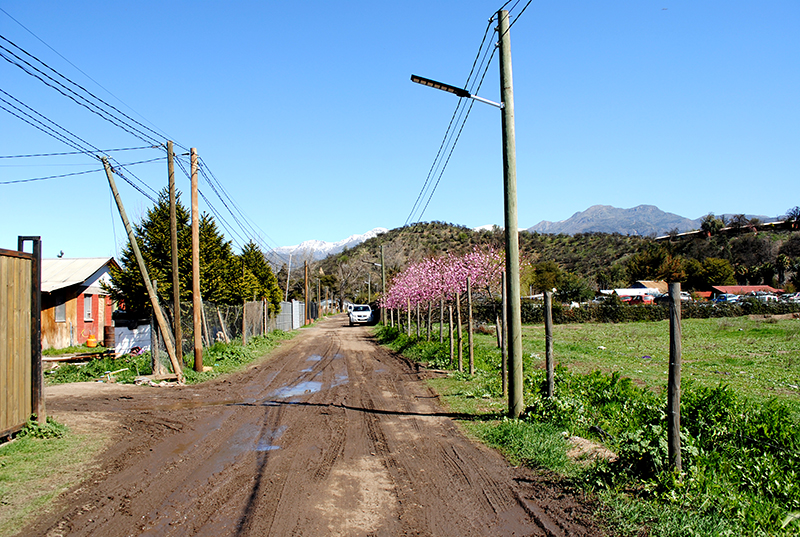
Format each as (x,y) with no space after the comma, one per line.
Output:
(460,92)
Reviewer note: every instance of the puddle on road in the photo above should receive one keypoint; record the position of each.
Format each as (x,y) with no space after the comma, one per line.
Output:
(268,439)
(314,358)
(301,388)
(339,380)
(307,370)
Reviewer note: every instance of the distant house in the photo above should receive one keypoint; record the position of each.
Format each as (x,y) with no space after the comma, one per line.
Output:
(745,289)
(658,286)
(74,306)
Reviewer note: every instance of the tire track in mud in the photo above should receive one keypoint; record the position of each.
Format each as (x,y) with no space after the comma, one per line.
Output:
(330,436)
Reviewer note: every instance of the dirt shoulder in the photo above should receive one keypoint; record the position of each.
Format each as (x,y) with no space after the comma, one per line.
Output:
(330,435)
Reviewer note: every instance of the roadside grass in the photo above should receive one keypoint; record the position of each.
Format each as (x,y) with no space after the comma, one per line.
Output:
(75,349)
(741,440)
(27,480)
(222,357)
(231,357)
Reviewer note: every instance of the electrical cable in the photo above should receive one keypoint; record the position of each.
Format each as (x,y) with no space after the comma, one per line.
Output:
(78,68)
(49,177)
(447,134)
(456,140)
(75,152)
(72,95)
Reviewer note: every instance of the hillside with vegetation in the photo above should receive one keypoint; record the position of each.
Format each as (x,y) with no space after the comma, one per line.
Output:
(722,252)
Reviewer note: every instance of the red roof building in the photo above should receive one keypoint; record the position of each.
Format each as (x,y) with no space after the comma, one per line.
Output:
(745,289)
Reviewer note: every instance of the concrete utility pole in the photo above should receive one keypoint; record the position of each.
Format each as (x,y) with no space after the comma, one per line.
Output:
(197,301)
(515,392)
(173,231)
(162,323)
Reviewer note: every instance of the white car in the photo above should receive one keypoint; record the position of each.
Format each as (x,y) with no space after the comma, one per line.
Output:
(360,313)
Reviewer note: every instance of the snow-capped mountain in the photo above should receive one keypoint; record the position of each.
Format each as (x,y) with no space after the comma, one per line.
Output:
(316,250)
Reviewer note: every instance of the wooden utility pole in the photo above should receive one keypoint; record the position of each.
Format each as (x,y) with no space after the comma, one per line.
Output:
(197,301)
(515,392)
(288,274)
(173,231)
(548,341)
(162,323)
(674,385)
(305,289)
(383,282)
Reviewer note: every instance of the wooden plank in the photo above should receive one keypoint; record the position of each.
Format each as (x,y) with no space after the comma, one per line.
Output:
(5,363)
(15,334)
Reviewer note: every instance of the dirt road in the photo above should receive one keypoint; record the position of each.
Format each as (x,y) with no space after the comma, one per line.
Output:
(331,435)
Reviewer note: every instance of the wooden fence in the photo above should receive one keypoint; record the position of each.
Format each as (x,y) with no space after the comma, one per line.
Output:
(20,338)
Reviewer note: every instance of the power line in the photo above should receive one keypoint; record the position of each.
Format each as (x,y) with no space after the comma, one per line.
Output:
(75,152)
(459,111)
(49,177)
(102,110)
(75,66)
(70,93)
(452,148)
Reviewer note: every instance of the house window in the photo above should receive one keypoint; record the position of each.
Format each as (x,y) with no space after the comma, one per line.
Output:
(87,307)
(61,309)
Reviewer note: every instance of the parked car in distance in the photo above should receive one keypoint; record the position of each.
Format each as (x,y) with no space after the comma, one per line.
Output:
(663,298)
(642,299)
(726,298)
(360,314)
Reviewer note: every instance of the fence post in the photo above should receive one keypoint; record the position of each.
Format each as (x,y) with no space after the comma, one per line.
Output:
(460,334)
(37,382)
(674,385)
(469,327)
(548,339)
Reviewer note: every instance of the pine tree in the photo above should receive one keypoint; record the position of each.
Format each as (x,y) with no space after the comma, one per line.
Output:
(219,280)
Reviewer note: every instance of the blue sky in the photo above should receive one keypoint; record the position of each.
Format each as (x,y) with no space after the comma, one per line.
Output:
(306,115)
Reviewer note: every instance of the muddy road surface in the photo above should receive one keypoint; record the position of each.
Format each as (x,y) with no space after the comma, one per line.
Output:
(330,435)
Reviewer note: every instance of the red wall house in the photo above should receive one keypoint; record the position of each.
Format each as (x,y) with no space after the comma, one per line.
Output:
(74,304)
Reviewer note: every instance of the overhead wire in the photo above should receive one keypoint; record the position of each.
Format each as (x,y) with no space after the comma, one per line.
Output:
(455,142)
(64,153)
(447,134)
(76,67)
(75,173)
(459,111)
(69,92)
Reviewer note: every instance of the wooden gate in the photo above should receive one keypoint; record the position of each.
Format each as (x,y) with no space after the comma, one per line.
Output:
(20,337)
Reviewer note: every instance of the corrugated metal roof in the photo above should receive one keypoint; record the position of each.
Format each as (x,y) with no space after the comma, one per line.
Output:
(61,273)
(660,285)
(745,289)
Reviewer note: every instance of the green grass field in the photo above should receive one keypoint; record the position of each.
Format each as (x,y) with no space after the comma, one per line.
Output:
(739,425)
(758,358)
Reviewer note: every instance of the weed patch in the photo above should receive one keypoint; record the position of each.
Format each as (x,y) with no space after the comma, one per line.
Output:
(740,439)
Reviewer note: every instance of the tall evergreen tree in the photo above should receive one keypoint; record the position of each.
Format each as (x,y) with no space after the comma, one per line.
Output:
(220,268)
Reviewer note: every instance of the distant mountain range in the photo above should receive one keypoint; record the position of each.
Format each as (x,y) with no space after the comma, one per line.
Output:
(641,220)
(314,250)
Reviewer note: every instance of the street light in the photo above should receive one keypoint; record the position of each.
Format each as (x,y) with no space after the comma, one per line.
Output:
(515,397)
(461,92)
